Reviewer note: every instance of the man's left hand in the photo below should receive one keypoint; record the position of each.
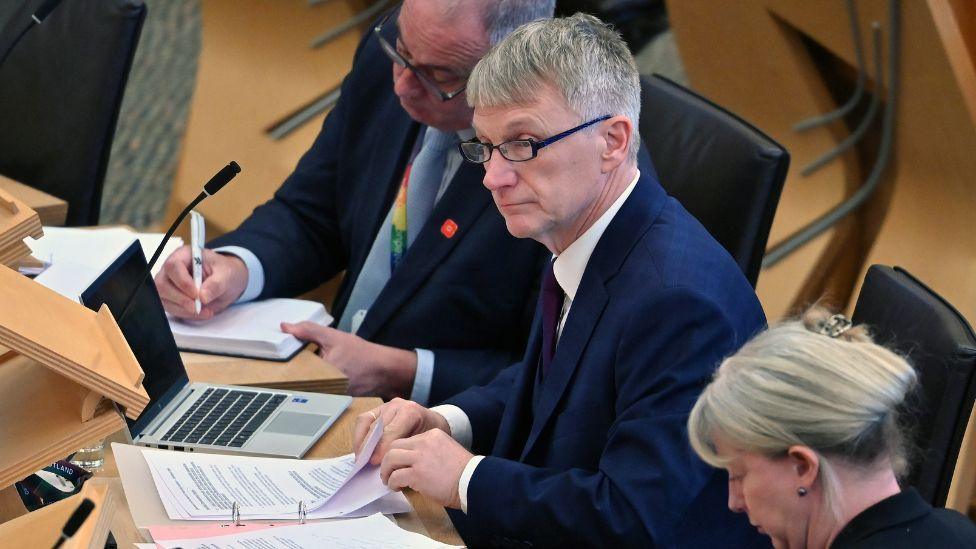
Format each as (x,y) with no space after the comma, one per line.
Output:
(372,369)
(430,463)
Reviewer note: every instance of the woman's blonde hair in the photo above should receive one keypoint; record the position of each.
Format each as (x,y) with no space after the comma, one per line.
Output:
(795,384)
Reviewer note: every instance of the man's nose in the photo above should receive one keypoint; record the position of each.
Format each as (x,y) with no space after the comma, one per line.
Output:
(406,83)
(499,172)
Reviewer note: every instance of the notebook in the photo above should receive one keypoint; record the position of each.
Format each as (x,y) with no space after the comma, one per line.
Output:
(250,330)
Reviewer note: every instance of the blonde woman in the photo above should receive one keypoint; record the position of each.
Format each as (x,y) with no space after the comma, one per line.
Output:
(805,420)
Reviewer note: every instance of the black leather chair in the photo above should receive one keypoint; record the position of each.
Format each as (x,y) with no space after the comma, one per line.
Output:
(724,171)
(905,315)
(60,93)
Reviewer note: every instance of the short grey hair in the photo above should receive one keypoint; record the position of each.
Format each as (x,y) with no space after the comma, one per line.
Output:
(792,385)
(584,59)
(504,16)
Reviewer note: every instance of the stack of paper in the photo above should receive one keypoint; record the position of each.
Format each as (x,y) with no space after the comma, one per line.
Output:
(76,257)
(374,531)
(197,486)
(250,329)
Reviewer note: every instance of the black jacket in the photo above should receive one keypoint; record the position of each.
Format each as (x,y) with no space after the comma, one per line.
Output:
(906,520)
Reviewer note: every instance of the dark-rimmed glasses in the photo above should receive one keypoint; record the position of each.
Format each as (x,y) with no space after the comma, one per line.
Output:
(517,150)
(428,81)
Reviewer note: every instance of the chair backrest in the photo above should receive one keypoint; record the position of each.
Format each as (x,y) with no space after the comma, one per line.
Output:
(60,93)
(905,315)
(725,172)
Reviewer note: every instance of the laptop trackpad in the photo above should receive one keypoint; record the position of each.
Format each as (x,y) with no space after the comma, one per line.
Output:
(294,423)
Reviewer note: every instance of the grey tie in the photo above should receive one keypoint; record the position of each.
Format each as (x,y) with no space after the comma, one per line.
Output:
(426,175)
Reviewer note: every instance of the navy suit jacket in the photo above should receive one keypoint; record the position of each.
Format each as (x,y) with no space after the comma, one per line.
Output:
(596,453)
(468,297)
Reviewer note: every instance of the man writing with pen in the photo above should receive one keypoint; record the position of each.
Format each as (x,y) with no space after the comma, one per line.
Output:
(437,296)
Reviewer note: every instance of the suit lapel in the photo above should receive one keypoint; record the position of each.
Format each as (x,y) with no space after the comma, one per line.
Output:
(462,203)
(630,223)
(583,317)
(518,410)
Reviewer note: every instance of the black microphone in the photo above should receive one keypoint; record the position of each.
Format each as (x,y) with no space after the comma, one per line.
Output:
(216,183)
(75,521)
(39,16)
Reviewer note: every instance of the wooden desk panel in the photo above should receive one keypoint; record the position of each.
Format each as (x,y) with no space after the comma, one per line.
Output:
(43,527)
(51,209)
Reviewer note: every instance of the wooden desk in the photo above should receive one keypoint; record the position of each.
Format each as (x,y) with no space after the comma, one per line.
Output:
(305,372)
(427,518)
(51,209)
(43,527)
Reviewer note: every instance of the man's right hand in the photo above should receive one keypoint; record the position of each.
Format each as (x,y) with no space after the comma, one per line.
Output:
(401,419)
(224,280)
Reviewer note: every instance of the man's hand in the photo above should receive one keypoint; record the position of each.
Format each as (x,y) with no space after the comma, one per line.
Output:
(430,463)
(401,419)
(224,280)
(372,369)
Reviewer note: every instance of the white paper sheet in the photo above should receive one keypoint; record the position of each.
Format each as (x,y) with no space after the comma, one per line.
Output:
(148,511)
(371,532)
(197,486)
(78,256)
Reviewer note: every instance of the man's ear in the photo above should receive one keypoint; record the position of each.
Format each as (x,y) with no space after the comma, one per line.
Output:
(617,133)
(805,463)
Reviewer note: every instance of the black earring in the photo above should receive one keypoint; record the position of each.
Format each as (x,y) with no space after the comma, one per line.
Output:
(801,491)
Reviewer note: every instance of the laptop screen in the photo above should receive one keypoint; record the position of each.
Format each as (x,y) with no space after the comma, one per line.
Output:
(145,329)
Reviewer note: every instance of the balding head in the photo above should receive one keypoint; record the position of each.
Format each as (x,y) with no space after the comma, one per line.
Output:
(444,39)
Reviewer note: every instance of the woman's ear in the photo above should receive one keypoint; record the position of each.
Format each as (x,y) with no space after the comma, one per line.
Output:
(805,463)
(618,132)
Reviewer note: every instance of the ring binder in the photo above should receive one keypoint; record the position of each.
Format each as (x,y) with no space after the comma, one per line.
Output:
(235,513)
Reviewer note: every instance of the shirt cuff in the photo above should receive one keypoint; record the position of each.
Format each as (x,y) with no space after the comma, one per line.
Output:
(459,423)
(465,479)
(255,271)
(423,378)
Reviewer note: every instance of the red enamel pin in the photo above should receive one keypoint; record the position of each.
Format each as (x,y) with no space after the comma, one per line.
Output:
(449,228)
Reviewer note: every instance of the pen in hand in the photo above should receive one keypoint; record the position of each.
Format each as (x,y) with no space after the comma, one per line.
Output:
(198,236)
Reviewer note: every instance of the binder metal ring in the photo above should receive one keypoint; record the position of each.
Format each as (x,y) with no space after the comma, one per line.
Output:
(235,514)
(302,512)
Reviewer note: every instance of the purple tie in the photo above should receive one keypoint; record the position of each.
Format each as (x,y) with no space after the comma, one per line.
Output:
(552,302)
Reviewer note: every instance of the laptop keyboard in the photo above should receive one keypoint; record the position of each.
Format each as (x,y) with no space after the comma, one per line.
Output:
(224,417)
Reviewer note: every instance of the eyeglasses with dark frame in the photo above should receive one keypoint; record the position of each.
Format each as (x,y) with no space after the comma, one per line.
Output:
(517,150)
(395,56)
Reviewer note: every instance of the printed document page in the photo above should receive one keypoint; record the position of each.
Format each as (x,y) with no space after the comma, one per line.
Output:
(197,486)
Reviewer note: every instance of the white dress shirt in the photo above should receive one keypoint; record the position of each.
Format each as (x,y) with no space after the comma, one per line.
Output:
(568,269)
(424,377)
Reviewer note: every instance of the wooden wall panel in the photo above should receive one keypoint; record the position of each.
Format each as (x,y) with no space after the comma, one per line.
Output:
(255,68)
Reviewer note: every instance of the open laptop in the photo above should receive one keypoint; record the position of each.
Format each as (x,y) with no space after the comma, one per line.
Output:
(192,416)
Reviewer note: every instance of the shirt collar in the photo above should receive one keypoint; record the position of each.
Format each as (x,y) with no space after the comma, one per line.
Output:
(569,265)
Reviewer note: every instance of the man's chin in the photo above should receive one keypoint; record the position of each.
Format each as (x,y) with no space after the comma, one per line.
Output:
(518,229)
